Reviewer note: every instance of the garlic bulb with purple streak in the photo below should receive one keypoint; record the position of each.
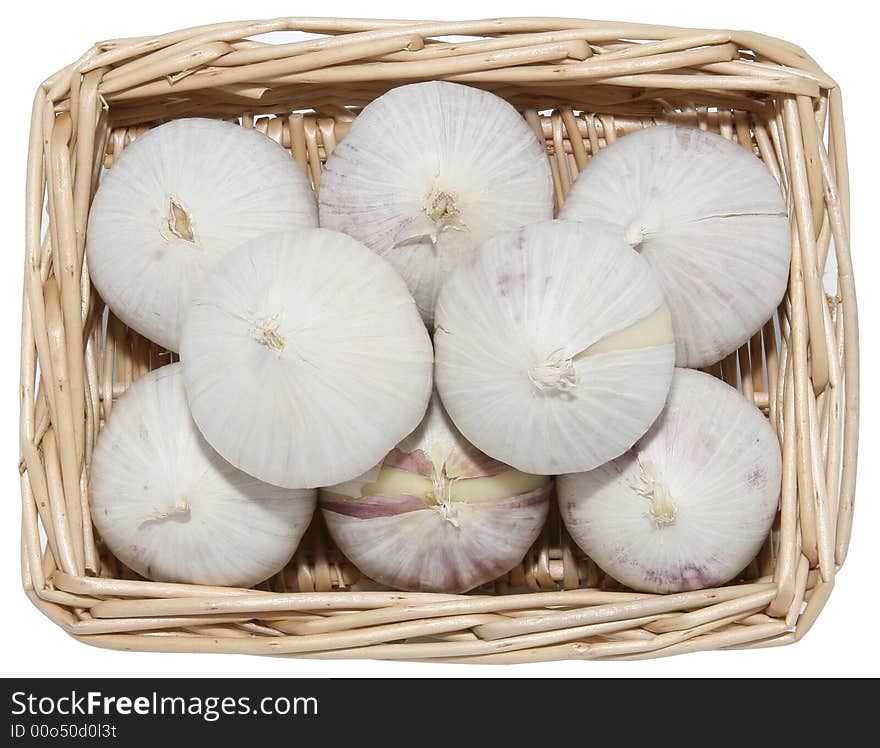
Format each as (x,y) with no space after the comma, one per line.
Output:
(427,173)
(690,505)
(169,507)
(553,348)
(710,219)
(437,514)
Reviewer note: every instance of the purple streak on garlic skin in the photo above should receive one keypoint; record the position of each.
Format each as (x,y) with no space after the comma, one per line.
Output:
(375,506)
(683,578)
(414,462)
(756,477)
(469,464)
(437,515)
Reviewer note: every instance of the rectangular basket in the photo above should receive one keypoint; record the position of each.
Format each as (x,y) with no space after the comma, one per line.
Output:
(580,85)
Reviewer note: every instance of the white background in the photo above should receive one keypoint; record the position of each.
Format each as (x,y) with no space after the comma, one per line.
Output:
(47,36)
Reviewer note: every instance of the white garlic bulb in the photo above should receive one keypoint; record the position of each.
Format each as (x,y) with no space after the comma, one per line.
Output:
(305,360)
(169,507)
(437,515)
(709,218)
(691,503)
(554,347)
(427,173)
(179,198)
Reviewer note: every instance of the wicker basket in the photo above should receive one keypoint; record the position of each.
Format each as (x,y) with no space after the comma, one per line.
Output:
(580,85)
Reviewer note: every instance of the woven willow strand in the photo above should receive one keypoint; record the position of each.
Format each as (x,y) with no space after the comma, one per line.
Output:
(580,85)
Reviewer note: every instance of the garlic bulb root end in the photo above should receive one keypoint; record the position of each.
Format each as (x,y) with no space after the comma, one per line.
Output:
(636,233)
(648,485)
(443,210)
(179,511)
(556,373)
(178,223)
(267,333)
(441,205)
(441,496)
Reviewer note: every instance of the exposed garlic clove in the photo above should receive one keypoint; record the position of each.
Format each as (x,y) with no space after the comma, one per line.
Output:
(554,348)
(178,199)
(690,505)
(437,514)
(169,507)
(709,218)
(427,173)
(305,359)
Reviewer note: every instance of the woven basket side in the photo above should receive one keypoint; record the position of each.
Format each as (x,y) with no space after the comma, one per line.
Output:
(580,85)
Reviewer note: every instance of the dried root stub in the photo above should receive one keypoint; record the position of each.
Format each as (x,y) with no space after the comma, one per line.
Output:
(690,505)
(176,201)
(437,514)
(169,507)
(554,347)
(709,218)
(430,171)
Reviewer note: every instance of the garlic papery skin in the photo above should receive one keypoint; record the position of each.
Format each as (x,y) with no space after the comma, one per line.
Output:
(178,199)
(690,505)
(170,508)
(709,218)
(553,348)
(305,359)
(427,173)
(437,515)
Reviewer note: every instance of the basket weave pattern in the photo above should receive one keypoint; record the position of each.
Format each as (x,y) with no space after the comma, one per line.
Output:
(580,86)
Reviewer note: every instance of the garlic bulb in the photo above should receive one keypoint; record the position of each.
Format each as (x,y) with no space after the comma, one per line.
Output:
(305,359)
(437,515)
(554,348)
(691,503)
(430,171)
(709,218)
(178,199)
(169,507)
